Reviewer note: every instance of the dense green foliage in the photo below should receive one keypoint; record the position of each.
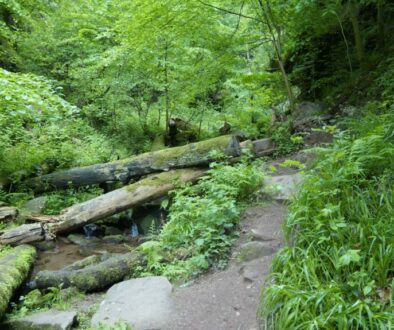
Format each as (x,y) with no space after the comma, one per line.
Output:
(41,131)
(87,81)
(338,270)
(202,222)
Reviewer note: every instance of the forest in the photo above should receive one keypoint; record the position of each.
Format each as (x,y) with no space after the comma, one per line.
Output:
(148,145)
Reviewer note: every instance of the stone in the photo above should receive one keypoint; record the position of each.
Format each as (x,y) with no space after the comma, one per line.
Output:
(80,240)
(142,303)
(253,250)
(36,206)
(318,139)
(308,115)
(259,236)
(114,239)
(45,245)
(284,186)
(8,213)
(253,271)
(109,230)
(50,320)
(263,147)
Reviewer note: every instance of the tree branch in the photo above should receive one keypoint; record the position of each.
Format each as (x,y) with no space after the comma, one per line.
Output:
(228,11)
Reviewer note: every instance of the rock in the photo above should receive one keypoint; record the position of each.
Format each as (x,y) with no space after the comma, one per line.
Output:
(8,213)
(80,240)
(308,115)
(50,320)
(259,236)
(45,245)
(3,203)
(318,139)
(263,147)
(284,186)
(143,303)
(36,205)
(253,250)
(114,239)
(109,230)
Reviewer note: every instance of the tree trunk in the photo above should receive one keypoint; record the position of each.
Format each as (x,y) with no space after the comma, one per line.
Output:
(380,23)
(354,11)
(93,276)
(14,268)
(100,207)
(194,154)
(23,234)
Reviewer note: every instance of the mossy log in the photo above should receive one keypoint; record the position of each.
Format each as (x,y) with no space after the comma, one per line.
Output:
(93,277)
(194,154)
(15,265)
(76,216)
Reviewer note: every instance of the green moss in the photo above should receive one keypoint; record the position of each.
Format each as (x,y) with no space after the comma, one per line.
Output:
(157,180)
(14,268)
(190,152)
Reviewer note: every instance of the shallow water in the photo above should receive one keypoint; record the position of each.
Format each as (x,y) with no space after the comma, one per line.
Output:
(65,254)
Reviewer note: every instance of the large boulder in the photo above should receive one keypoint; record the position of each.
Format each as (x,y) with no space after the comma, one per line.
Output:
(36,206)
(50,320)
(143,304)
(8,213)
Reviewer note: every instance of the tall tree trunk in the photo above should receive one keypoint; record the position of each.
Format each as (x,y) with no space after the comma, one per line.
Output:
(166,89)
(354,9)
(275,33)
(380,23)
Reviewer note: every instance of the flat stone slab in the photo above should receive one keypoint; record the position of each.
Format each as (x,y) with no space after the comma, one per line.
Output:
(50,320)
(284,186)
(142,303)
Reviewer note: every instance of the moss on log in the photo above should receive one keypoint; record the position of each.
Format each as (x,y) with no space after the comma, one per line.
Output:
(15,265)
(194,154)
(92,277)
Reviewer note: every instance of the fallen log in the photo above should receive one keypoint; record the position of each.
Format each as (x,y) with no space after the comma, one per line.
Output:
(94,276)
(76,216)
(194,154)
(15,265)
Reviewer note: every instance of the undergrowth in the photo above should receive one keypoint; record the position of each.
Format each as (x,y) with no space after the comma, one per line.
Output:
(202,222)
(337,271)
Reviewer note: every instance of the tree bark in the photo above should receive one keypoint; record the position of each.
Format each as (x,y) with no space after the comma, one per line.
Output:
(14,269)
(194,154)
(116,201)
(354,11)
(93,276)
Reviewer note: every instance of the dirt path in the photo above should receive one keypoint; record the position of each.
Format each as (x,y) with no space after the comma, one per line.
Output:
(229,299)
